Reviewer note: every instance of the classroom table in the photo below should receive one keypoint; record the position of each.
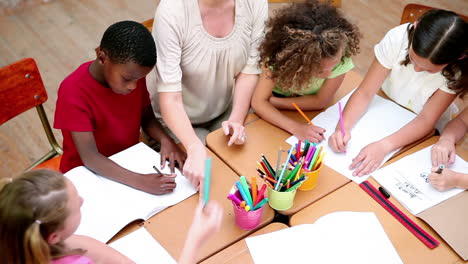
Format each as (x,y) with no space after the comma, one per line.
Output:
(239,252)
(264,138)
(352,198)
(170,226)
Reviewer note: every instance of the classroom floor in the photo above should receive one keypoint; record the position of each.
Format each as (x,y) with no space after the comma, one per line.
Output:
(62,34)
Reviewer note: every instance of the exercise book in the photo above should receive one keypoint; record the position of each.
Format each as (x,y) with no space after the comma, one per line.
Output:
(109,206)
(382,118)
(408,181)
(340,237)
(142,248)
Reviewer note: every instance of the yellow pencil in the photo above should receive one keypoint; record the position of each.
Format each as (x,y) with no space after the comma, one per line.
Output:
(319,161)
(302,113)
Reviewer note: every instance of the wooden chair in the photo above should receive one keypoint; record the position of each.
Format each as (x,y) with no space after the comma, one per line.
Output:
(412,12)
(21,88)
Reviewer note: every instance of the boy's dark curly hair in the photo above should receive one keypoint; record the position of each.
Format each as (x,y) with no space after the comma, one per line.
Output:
(129,41)
(299,36)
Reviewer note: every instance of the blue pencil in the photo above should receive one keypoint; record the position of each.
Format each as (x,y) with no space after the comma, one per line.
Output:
(284,168)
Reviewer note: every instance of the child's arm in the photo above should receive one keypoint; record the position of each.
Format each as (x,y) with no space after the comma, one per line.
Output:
(262,106)
(173,113)
(95,161)
(243,90)
(358,103)
(316,101)
(98,252)
(443,152)
(448,179)
(370,157)
(169,150)
(206,222)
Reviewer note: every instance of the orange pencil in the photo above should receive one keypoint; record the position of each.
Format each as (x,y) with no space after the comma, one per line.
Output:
(302,113)
(254,188)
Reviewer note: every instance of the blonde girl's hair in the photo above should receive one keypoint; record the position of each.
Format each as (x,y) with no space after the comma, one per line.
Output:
(32,206)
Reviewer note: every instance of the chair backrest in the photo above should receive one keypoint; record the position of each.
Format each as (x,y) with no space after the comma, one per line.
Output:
(412,12)
(21,88)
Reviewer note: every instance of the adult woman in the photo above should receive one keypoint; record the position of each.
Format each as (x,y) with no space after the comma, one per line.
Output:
(207,64)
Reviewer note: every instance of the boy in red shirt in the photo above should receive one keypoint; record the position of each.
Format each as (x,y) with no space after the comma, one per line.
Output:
(102,105)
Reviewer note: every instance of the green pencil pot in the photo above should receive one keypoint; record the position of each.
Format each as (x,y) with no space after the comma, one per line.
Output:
(280,200)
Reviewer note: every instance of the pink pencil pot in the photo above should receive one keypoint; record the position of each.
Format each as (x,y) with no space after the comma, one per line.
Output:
(247,220)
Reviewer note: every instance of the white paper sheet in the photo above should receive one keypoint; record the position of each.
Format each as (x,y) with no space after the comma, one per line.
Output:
(406,181)
(383,118)
(142,248)
(109,206)
(340,237)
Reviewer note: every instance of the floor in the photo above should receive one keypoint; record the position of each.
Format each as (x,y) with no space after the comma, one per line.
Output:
(62,34)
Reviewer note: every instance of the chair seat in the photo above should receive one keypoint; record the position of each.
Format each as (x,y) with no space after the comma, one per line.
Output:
(51,164)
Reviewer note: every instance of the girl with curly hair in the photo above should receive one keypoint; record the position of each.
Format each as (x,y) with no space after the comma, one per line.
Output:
(305,54)
(421,66)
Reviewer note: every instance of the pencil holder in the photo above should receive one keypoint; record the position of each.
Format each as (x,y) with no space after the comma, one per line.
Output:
(312,178)
(281,200)
(247,220)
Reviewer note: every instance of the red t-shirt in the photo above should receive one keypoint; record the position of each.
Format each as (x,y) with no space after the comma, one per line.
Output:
(83,105)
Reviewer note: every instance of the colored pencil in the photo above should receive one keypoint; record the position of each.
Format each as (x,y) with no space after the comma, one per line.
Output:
(341,121)
(206,188)
(278,161)
(254,189)
(302,113)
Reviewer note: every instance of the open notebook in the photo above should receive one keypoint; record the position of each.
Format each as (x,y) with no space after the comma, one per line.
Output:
(383,118)
(340,237)
(406,180)
(109,206)
(142,248)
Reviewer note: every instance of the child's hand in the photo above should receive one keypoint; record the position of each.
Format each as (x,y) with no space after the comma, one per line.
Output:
(194,167)
(206,222)
(155,184)
(369,158)
(446,180)
(443,152)
(170,151)
(307,131)
(337,142)
(236,130)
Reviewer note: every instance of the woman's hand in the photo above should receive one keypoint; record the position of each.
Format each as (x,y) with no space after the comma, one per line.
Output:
(236,130)
(194,167)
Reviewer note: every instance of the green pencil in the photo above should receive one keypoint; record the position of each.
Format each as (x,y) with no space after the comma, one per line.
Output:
(206,189)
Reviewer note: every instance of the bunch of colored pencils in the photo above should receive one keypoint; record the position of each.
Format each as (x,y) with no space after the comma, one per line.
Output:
(252,199)
(275,178)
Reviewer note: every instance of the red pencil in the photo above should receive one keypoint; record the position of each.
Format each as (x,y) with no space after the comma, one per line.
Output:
(261,194)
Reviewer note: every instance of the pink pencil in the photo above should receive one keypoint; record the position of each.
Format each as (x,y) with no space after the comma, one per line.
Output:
(341,121)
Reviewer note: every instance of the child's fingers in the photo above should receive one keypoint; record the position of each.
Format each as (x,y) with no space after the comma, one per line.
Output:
(163,160)
(357,160)
(172,162)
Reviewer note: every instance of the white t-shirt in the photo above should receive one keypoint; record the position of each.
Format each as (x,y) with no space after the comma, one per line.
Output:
(404,85)
(201,66)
